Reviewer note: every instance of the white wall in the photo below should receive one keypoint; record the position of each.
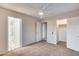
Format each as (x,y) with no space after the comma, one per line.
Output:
(73,33)
(28,31)
(3,33)
(51,27)
(28,28)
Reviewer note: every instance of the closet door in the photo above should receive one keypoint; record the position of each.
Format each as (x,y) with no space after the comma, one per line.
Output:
(38,31)
(14,33)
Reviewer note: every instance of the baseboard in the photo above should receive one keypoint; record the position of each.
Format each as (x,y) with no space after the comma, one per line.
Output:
(32,43)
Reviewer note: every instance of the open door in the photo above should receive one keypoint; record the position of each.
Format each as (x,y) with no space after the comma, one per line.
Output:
(14,33)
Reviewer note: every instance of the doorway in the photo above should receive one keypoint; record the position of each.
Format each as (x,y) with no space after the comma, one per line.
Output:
(44,31)
(14,33)
(62,32)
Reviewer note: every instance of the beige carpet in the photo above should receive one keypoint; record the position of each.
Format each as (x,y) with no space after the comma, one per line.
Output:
(42,49)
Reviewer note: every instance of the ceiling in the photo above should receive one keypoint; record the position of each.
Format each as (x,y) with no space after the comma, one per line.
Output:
(49,9)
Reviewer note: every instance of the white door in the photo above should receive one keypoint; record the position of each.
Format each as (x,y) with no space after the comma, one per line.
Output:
(38,31)
(73,33)
(14,33)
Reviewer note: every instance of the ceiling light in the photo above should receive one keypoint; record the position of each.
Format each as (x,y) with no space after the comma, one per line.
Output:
(41,13)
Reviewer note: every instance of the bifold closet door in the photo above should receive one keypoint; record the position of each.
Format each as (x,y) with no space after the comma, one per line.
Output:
(14,33)
(38,31)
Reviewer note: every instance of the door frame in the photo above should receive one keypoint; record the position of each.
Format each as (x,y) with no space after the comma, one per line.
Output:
(58,30)
(42,30)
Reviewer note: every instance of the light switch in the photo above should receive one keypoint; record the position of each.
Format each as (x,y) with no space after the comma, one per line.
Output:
(52,32)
